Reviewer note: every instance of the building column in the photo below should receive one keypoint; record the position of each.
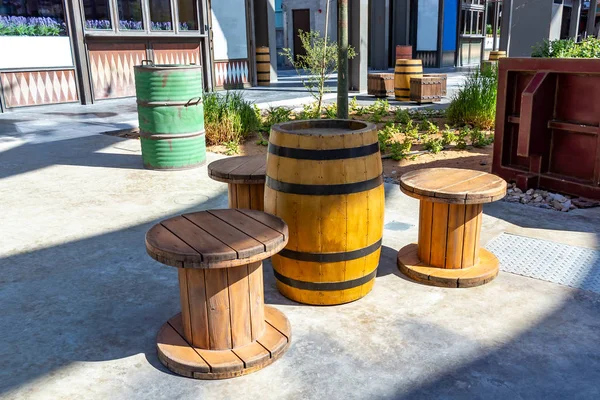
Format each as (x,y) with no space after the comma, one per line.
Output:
(591,22)
(507,9)
(272,38)
(358,33)
(82,72)
(379,34)
(575,16)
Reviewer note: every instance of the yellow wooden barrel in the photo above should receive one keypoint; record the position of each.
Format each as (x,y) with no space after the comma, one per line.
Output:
(406,69)
(263,66)
(495,55)
(324,179)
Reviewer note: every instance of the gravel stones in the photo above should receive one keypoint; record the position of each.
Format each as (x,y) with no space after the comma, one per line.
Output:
(544,199)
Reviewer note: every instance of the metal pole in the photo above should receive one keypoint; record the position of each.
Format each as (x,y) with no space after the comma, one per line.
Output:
(342,87)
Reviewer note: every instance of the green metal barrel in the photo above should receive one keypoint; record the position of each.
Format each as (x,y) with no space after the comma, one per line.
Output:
(171,115)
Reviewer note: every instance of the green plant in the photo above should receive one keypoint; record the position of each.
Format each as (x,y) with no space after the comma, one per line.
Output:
(411,131)
(262,141)
(475,102)
(275,115)
(353,105)
(228,117)
(309,111)
(418,114)
(448,136)
(380,109)
(331,111)
(232,147)
(402,116)
(480,139)
(386,136)
(428,127)
(400,150)
(588,48)
(461,137)
(434,145)
(319,62)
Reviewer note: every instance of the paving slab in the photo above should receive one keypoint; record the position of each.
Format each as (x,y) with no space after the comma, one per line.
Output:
(82,301)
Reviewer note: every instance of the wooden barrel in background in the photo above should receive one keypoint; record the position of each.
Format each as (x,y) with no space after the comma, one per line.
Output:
(263,66)
(403,52)
(324,179)
(406,69)
(495,55)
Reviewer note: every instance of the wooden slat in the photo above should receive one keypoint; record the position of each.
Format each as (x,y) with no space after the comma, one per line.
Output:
(219,320)
(278,321)
(479,211)
(180,354)
(425,227)
(221,361)
(248,167)
(470,234)
(209,247)
(273,340)
(244,245)
(269,237)
(243,196)
(232,195)
(162,242)
(222,168)
(252,354)
(257,197)
(256,295)
(453,186)
(197,298)
(239,303)
(439,231)
(269,220)
(185,304)
(568,126)
(456,228)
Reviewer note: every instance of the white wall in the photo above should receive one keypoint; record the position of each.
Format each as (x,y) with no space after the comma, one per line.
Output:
(229,29)
(35,52)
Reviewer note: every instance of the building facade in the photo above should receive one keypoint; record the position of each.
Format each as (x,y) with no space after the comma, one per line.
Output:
(58,51)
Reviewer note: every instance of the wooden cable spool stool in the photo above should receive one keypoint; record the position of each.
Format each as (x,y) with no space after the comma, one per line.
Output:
(406,69)
(324,179)
(380,84)
(448,252)
(224,329)
(245,177)
(263,66)
(495,55)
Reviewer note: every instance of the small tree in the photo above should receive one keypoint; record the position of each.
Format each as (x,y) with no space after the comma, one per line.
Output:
(320,61)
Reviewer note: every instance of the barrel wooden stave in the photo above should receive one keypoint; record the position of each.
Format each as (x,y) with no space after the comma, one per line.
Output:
(495,55)
(404,70)
(263,66)
(326,224)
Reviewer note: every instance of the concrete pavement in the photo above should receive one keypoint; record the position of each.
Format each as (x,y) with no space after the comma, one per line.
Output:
(82,301)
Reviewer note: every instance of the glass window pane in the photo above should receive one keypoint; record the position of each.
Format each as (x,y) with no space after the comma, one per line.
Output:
(188,15)
(97,14)
(160,15)
(32,18)
(130,15)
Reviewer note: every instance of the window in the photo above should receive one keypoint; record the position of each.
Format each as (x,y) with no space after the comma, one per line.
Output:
(188,15)
(160,15)
(130,15)
(32,18)
(148,16)
(97,14)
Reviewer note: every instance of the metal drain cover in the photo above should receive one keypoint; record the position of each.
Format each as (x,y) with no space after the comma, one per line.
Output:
(573,266)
